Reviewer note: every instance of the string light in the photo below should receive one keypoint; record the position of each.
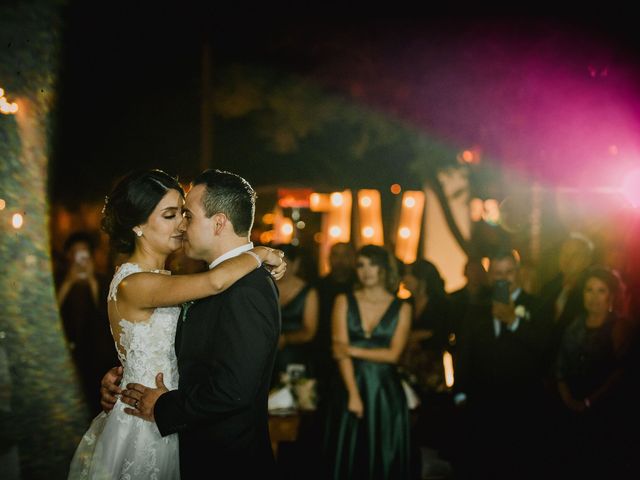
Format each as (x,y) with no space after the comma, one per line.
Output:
(17,221)
(6,107)
(287,229)
(368,232)
(410,202)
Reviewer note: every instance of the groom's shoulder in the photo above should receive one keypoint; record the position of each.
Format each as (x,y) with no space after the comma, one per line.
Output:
(258,278)
(257,282)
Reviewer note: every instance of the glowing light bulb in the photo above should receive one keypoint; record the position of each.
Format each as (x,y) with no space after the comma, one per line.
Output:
(365,201)
(287,229)
(336,199)
(6,107)
(368,232)
(410,202)
(335,231)
(17,221)
(404,232)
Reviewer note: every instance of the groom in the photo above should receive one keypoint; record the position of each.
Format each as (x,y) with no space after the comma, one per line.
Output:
(225,344)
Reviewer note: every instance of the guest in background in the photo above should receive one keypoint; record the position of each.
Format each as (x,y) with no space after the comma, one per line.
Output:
(474,291)
(431,332)
(430,328)
(499,377)
(589,370)
(561,298)
(299,306)
(340,279)
(368,423)
(81,297)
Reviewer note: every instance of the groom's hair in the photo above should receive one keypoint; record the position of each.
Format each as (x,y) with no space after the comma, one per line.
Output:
(230,194)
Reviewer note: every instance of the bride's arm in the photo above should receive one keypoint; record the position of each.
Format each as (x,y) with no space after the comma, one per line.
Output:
(150,290)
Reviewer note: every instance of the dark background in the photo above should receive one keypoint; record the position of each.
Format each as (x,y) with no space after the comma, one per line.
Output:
(130,91)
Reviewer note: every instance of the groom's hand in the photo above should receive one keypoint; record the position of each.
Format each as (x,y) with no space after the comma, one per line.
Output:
(143,399)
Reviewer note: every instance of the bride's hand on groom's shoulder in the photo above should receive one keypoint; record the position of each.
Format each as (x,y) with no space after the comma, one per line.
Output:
(110,389)
(275,262)
(143,399)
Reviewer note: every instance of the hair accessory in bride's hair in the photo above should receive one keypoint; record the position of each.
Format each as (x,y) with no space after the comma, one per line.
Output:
(106,202)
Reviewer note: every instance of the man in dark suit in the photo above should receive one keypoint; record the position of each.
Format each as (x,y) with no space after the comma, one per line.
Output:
(225,344)
(498,375)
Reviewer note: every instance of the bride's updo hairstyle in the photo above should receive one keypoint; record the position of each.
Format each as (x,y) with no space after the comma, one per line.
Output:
(131,202)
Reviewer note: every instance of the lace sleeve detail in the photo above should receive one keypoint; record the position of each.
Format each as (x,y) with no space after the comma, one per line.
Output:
(124,271)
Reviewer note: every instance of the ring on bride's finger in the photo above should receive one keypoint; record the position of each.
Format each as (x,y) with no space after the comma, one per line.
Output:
(135,405)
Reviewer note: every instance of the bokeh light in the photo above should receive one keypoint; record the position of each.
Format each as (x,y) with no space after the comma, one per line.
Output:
(368,232)
(17,221)
(336,199)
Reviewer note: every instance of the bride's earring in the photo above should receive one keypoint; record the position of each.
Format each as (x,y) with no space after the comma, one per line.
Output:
(138,231)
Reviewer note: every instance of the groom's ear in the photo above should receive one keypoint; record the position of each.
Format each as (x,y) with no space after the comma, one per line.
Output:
(219,222)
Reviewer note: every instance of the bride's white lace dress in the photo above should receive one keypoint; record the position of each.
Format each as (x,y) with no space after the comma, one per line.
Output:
(121,446)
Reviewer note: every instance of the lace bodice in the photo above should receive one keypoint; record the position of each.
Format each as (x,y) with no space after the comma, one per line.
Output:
(146,348)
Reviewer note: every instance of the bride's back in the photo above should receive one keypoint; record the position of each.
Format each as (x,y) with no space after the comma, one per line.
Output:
(145,348)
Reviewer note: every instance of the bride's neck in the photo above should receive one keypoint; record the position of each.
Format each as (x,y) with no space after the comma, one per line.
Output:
(148,260)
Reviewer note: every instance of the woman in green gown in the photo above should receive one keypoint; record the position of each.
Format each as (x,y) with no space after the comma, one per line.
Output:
(299,306)
(368,422)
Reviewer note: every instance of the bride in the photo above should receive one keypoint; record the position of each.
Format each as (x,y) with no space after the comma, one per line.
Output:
(143,217)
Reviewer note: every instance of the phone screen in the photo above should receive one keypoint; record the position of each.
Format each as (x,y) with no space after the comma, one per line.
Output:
(501,291)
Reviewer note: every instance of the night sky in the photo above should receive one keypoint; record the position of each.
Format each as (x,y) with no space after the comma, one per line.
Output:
(527,92)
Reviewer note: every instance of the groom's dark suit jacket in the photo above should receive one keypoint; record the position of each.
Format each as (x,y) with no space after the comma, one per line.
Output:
(226,346)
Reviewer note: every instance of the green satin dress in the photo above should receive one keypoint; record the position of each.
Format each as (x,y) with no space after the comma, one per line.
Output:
(292,320)
(376,446)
